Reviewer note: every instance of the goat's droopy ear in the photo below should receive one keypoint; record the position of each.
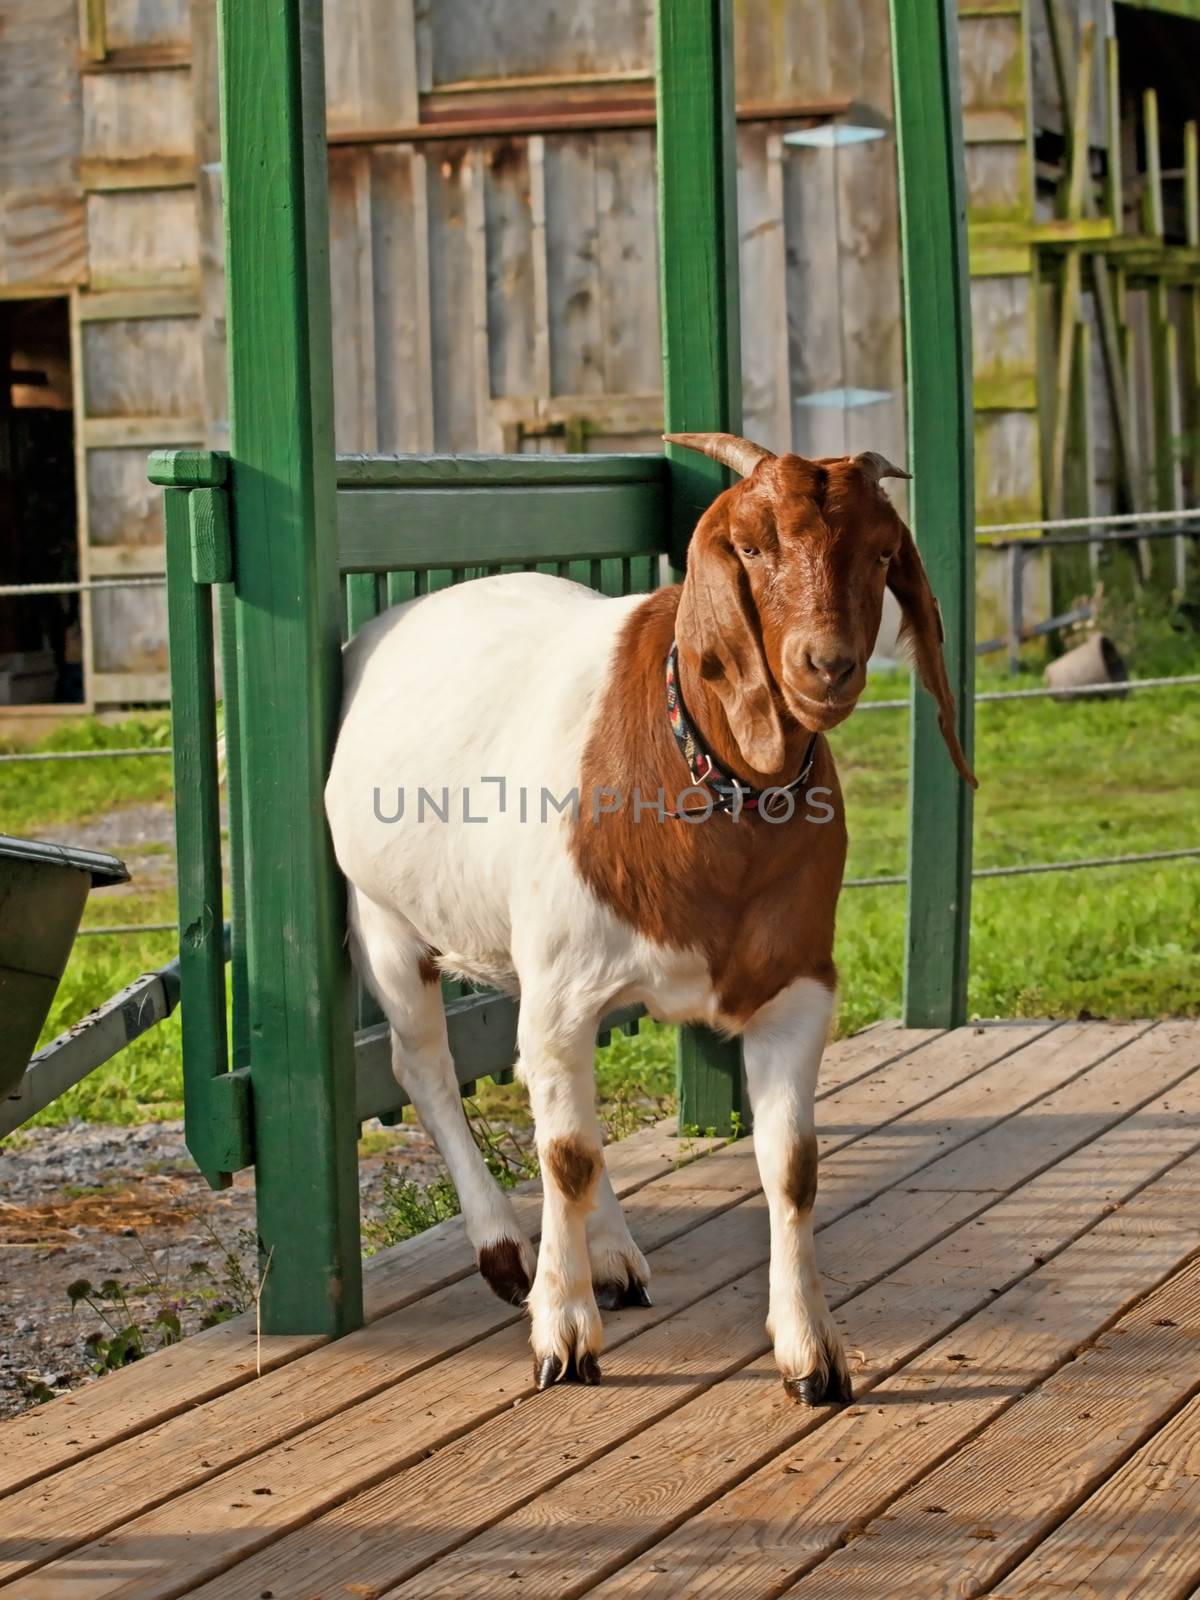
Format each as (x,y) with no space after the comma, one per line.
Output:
(922,631)
(717,625)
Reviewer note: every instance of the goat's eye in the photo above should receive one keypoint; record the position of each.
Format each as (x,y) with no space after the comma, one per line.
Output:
(886,557)
(747,549)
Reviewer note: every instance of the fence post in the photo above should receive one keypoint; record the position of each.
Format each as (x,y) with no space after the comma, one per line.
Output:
(287,644)
(1016,603)
(702,379)
(941,451)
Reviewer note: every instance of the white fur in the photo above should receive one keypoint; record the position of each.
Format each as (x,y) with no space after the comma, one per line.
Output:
(782,1047)
(501,678)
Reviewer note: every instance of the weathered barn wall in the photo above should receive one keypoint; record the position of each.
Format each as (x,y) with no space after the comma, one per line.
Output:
(41,201)
(500,292)
(493,250)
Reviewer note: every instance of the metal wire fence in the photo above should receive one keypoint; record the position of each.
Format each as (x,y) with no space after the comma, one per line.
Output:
(1014,536)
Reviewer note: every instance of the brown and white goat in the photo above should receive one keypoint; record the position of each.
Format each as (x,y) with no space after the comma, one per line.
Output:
(519,797)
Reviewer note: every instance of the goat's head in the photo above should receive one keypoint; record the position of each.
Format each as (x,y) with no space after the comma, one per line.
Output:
(784,593)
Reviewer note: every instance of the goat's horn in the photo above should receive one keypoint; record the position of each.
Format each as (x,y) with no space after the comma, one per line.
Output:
(739,454)
(876,466)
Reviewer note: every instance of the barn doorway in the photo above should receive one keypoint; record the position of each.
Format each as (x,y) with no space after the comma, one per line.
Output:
(41,650)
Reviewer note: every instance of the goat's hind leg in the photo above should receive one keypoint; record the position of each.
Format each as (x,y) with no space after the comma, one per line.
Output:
(396,964)
(619,1270)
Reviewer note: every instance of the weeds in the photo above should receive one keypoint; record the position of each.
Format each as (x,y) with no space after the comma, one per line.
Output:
(149,1312)
(408,1207)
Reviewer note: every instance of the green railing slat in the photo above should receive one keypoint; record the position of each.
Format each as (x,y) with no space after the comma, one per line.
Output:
(238,981)
(198,854)
(702,382)
(362,601)
(941,496)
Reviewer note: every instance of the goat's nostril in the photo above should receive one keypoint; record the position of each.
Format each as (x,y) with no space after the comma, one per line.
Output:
(834,670)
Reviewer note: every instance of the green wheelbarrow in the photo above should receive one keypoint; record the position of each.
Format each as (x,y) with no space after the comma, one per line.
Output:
(43,889)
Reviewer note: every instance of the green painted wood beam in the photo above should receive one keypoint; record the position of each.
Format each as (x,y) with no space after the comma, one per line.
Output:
(702,380)
(381,529)
(941,497)
(187,469)
(497,472)
(698,266)
(281,465)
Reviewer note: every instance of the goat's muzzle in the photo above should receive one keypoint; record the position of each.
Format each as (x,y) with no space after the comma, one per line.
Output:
(822,680)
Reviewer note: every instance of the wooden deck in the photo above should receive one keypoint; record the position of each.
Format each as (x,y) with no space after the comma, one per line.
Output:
(1009,1236)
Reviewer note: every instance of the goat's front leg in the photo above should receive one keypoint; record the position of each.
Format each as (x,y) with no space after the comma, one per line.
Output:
(782,1046)
(557,1065)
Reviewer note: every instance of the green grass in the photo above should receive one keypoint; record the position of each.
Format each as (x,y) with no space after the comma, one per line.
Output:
(1056,782)
(144,1082)
(42,794)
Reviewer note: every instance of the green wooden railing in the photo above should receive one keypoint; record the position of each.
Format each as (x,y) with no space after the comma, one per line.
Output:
(301,549)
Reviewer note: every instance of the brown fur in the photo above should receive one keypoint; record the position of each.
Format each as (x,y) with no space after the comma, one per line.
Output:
(800,1184)
(786,571)
(428,967)
(758,897)
(502,1267)
(573,1167)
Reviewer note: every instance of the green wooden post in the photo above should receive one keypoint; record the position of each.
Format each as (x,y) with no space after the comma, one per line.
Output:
(198,840)
(288,635)
(937,317)
(702,381)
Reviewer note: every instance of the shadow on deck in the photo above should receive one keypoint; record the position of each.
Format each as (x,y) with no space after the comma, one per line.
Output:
(1008,1236)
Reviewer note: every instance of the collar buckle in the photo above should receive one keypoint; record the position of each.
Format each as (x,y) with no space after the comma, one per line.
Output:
(731,793)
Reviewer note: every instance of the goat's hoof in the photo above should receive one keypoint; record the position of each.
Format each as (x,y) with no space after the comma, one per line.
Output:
(579,1369)
(588,1370)
(820,1388)
(546,1373)
(505,1271)
(614,1296)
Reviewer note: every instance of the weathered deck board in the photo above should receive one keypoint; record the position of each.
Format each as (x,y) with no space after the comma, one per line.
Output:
(222,1358)
(228,1355)
(76,1504)
(1135,1536)
(1021,1196)
(1078,1426)
(364,1439)
(676,1468)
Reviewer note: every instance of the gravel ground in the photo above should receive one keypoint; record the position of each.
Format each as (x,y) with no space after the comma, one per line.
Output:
(142,836)
(93,1201)
(150,823)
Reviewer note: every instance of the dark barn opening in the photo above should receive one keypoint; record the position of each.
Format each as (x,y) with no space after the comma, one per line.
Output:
(40,635)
